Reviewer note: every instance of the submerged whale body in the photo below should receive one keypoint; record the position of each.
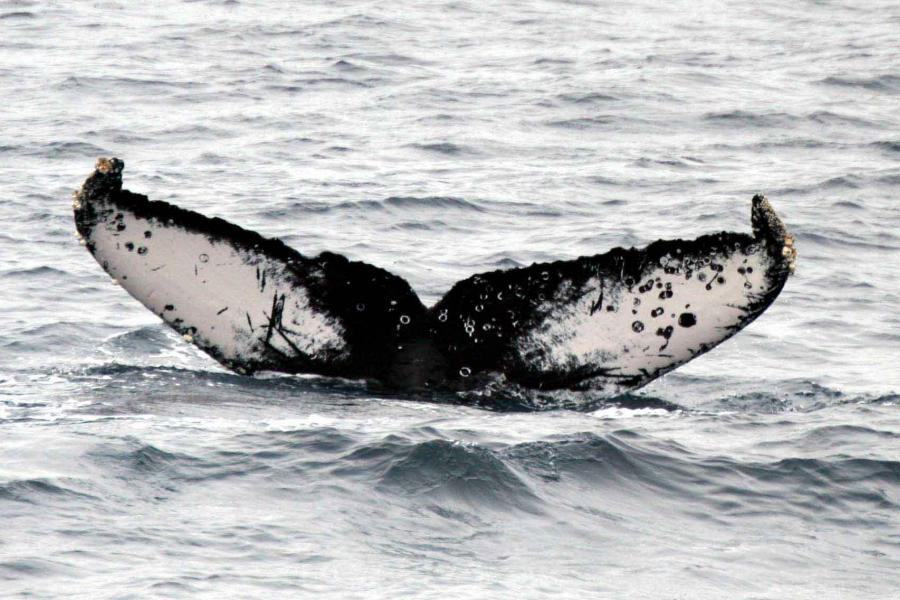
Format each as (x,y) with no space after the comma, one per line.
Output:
(608,323)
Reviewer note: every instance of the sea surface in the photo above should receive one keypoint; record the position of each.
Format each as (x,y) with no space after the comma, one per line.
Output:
(439,139)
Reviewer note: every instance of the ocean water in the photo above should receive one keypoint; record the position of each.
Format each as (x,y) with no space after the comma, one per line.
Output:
(439,139)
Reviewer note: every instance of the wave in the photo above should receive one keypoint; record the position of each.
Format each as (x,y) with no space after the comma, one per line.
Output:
(744,118)
(156,471)
(193,132)
(793,142)
(887,145)
(392,203)
(783,120)
(827,117)
(511,476)
(39,338)
(103,83)
(21,14)
(432,202)
(584,123)
(390,59)
(888,83)
(826,434)
(38,490)
(514,476)
(117,387)
(328,82)
(420,226)
(446,148)
(588,98)
(840,237)
(848,204)
(64,149)
(442,470)
(846,182)
(41,271)
(347,66)
(148,459)
(357,19)
(645,162)
(553,61)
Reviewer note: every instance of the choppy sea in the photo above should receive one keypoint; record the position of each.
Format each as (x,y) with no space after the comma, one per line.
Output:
(439,139)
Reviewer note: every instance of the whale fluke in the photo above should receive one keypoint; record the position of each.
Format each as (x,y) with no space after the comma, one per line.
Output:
(609,323)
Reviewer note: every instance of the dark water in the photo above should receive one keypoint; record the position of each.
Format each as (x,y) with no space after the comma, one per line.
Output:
(436,140)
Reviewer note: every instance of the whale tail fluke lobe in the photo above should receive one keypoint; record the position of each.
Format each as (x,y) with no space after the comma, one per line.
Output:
(615,321)
(609,323)
(250,302)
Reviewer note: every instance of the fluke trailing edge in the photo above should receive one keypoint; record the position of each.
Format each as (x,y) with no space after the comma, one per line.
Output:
(610,322)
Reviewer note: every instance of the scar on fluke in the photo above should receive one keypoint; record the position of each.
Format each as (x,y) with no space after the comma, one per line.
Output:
(595,306)
(576,324)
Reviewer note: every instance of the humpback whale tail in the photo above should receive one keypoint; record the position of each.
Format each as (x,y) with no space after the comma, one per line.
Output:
(609,323)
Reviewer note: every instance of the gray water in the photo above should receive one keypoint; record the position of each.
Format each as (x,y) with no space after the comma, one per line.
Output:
(437,140)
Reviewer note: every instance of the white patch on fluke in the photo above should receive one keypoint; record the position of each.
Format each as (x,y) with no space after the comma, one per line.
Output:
(220,297)
(660,322)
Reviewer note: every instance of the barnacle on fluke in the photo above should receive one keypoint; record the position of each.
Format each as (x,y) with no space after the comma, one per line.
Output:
(253,303)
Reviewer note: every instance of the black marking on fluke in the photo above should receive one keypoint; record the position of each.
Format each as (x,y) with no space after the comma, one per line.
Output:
(595,306)
(531,325)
